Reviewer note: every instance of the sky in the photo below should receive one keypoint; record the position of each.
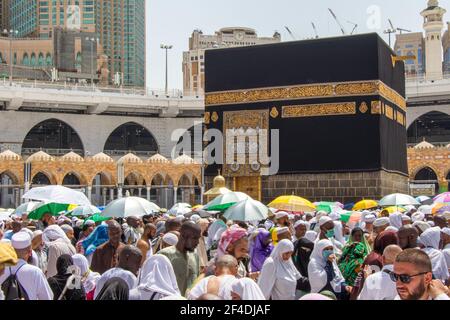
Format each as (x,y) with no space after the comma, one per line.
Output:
(172,22)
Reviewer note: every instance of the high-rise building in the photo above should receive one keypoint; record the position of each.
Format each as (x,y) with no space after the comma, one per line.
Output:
(432,50)
(4,15)
(120,25)
(194,59)
(33,18)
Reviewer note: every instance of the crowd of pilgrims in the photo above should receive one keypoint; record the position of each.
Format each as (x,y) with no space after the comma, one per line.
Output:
(313,256)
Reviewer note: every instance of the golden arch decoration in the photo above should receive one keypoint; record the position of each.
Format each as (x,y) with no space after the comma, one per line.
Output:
(12,175)
(50,176)
(79,175)
(416,170)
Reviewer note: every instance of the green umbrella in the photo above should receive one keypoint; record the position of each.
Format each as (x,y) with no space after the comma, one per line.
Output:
(53,208)
(345,216)
(98,218)
(325,206)
(225,201)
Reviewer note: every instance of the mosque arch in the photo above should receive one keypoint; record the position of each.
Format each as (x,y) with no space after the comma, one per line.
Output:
(131,137)
(53,135)
(434,126)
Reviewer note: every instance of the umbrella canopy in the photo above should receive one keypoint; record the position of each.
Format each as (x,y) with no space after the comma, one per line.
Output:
(438,208)
(398,199)
(129,207)
(84,211)
(57,194)
(442,198)
(98,218)
(292,204)
(223,202)
(53,208)
(180,209)
(26,207)
(423,199)
(247,210)
(395,209)
(4,216)
(428,209)
(442,210)
(365,205)
(328,207)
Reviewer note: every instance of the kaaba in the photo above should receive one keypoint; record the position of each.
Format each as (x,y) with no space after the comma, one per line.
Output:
(338,103)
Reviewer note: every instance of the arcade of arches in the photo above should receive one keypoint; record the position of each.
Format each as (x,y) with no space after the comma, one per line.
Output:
(157,179)
(429,164)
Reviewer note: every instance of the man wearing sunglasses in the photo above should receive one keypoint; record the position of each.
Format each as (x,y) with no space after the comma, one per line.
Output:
(414,278)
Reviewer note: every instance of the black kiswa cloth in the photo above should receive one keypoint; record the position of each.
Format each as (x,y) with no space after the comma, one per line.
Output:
(359,142)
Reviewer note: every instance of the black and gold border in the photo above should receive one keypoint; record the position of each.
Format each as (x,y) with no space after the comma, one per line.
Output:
(345,89)
(317,110)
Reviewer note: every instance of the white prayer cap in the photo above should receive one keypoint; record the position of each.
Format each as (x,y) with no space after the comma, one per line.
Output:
(431,223)
(324,220)
(90,223)
(422,225)
(446,231)
(311,235)
(62,220)
(282,230)
(195,218)
(418,216)
(179,218)
(281,214)
(28,231)
(370,218)
(381,222)
(79,223)
(37,233)
(291,216)
(406,218)
(335,216)
(66,228)
(391,228)
(21,240)
(170,239)
(301,222)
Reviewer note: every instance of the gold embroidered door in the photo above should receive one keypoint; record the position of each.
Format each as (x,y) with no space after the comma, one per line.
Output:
(249,185)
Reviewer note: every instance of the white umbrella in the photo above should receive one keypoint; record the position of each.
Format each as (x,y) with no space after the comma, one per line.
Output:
(129,207)
(180,209)
(247,210)
(225,199)
(84,211)
(57,194)
(26,208)
(398,199)
(4,216)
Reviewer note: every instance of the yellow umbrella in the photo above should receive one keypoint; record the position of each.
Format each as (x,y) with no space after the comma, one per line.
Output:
(292,204)
(394,209)
(364,205)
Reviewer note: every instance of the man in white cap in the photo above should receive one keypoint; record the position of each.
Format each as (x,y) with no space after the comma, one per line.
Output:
(300,228)
(170,239)
(418,216)
(406,220)
(445,236)
(380,224)
(30,277)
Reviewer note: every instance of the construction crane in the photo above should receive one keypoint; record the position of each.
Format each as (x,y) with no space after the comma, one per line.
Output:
(315,30)
(355,26)
(290,33)
(390,31)
(403,30)
(337,20)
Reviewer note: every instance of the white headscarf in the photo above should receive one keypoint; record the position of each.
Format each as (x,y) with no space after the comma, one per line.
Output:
(430,238)
(422,225)
(282,269)
(338,230)
(53,233)
(316,269)
(247,289)
(395,220)
(311,235)
(89,277)
(161,278)
(418,216)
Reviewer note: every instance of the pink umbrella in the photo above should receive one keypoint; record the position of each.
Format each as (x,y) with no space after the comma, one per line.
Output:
(444,209)
(442,198)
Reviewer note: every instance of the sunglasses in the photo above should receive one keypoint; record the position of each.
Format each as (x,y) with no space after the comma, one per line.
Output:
(404,278)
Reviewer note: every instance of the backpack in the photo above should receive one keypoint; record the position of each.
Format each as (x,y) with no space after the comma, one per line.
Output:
(12,288)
